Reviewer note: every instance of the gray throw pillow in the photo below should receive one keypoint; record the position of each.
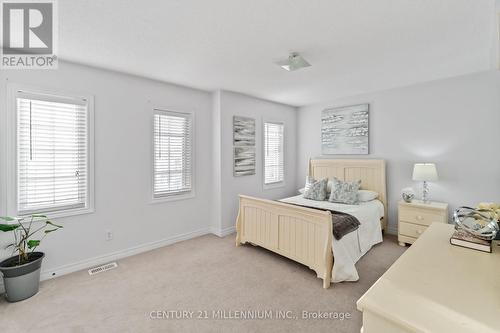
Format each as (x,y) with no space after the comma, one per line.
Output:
(345,192)
(315,189)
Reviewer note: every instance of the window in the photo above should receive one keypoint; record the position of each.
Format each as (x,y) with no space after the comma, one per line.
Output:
(273,153)
(172,165)
(53,153)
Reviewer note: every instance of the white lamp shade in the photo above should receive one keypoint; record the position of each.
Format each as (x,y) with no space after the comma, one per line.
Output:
(425,172)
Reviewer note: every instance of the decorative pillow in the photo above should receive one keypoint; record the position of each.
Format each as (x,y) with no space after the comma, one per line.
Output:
(345,192)
(365,195)
(316,189)
(310,180)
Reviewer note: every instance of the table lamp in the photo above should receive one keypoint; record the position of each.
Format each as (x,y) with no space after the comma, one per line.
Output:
(425,172)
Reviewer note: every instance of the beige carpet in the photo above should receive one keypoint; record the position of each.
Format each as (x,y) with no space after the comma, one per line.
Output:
(203,274)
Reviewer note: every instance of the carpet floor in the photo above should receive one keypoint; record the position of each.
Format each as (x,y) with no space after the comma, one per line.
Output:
(204,284)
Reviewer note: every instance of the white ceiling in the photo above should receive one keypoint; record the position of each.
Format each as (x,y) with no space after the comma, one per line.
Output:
(354,46)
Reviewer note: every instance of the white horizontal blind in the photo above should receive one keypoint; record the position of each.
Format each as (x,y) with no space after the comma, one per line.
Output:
(52,153)
(273,153)
(172,166)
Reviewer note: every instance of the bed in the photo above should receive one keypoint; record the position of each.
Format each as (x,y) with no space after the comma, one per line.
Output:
(305,234)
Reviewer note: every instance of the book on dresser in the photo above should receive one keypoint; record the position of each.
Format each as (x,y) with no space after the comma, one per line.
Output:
(464,239)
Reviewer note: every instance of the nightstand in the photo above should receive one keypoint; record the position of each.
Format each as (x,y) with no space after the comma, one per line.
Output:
(414,217)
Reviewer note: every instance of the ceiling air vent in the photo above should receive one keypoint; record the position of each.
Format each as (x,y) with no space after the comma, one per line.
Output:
(103,268)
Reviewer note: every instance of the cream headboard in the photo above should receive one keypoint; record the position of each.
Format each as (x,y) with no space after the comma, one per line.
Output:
(371,173)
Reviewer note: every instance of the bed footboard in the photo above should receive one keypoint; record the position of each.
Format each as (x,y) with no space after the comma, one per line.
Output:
(299,233)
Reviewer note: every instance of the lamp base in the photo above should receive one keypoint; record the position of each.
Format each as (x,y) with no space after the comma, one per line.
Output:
(425,193)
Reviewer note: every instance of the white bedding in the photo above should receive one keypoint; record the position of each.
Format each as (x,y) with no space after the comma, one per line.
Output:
(348,250)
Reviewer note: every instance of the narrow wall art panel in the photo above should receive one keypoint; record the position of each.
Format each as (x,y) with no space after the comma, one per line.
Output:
(244,146)
(243,131)
(344,130)
(244,161)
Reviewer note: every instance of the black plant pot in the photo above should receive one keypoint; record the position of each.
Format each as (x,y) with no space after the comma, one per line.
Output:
(21,281)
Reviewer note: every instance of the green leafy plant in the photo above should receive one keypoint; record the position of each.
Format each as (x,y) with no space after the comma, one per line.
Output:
(22,228)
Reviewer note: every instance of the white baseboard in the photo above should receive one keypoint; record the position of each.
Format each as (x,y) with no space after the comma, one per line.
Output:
(392,231)
(113,256)
(224,231)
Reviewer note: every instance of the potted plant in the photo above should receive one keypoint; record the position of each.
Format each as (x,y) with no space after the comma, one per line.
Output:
(21,272)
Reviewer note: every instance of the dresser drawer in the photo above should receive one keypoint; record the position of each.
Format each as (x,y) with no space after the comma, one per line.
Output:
(411,230)
(420,216)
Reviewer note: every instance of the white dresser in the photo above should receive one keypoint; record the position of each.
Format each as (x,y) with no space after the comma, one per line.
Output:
(436,287)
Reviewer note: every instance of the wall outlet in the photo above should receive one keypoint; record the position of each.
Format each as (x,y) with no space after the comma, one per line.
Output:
(108,235)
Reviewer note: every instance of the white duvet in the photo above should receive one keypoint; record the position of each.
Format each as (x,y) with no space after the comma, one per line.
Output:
(348,250)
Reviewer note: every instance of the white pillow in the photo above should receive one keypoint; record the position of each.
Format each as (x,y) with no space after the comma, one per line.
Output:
(302,190)
(329,187)
(365,195)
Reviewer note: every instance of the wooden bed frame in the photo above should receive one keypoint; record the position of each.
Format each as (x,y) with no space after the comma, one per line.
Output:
(304,234)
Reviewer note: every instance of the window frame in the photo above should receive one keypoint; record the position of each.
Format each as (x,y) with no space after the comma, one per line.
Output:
(278,184)
(11,150)
(181,195)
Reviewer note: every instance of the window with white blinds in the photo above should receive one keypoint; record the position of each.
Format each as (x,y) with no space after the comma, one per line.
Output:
(52,153)
(273,153)
(172,165)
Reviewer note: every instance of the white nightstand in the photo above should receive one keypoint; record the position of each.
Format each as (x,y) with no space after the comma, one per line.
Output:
(416,216)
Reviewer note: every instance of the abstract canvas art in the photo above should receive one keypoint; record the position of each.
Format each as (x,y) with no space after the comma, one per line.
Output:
(243,131)
(344,130)
(244,161)
(244,146)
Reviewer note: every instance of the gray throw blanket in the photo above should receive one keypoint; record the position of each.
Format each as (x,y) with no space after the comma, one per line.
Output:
(342,223)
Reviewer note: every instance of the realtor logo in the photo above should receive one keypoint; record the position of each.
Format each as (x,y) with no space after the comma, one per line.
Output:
(29,37)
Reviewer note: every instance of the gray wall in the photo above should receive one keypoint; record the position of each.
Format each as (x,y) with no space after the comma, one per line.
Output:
(454,123)
(229,105)
(122,166)
(123,143)
(451,122)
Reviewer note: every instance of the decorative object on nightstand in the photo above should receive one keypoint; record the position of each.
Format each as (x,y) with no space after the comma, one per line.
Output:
(415,217)
(425,172)
(408,194)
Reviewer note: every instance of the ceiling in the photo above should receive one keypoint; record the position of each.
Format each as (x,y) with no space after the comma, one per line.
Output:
(354,46)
